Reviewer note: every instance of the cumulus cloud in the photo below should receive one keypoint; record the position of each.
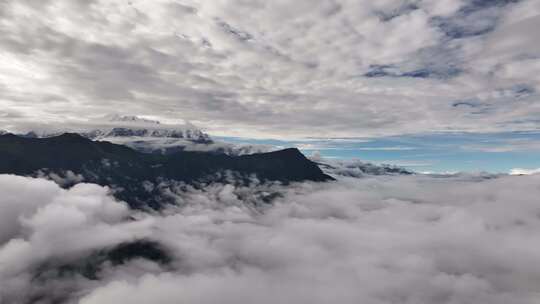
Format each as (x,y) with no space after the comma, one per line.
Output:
(41,222)
(386,239)
(249,68)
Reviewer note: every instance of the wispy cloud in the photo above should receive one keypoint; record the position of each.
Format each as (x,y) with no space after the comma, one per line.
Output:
(396,148)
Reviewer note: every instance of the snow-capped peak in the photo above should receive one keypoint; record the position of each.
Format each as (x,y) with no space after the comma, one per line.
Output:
(142,134)
(130,119)
(115,126)
(137,127)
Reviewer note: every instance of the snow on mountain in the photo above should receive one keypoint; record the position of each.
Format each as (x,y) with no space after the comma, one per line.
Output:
(136,127)
(130,119)
(145,135)
(116,126)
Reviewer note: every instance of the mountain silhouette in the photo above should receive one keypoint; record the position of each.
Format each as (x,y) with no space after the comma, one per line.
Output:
(126,170)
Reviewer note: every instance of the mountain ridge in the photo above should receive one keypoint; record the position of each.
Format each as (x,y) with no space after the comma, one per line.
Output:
(123,168)
(141,134)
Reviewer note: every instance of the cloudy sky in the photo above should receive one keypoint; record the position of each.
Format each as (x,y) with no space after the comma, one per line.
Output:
(279,69)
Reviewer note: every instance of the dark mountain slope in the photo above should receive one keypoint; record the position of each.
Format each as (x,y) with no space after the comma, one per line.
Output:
(125,169)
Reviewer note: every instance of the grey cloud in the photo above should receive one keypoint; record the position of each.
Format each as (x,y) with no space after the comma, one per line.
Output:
(264,69)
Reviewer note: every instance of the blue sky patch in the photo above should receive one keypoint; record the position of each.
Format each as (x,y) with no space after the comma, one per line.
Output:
(437,152)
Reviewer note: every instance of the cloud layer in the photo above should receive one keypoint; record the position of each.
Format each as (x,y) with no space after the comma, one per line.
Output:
(275,69)
(406,239)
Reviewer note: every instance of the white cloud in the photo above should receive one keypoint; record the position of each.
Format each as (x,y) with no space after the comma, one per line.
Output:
(396,148)
(414,239)
(41,222)
(520,171)
(444,7)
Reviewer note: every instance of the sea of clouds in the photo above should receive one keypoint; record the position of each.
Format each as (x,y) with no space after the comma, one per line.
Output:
(381,239)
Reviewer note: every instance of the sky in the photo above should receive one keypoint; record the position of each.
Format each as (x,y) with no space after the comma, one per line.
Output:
(514,153)
(454,80)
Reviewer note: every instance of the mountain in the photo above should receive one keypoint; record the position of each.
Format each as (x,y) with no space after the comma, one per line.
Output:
(128,171)
(356,168)
(133,126)
(145,135)
(113,126)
